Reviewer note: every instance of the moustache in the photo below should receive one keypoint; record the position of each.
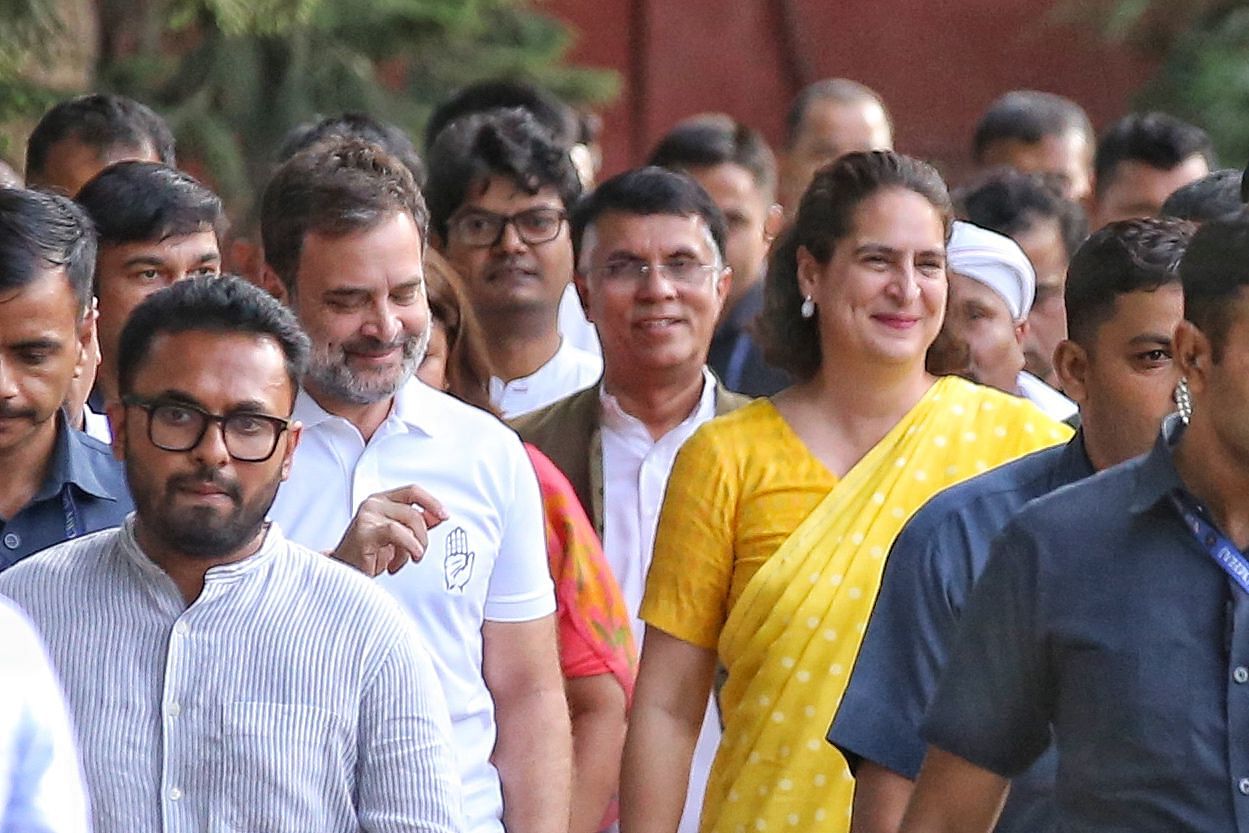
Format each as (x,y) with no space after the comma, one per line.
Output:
(509,264)
(16,413)
(377,347)
(206,477)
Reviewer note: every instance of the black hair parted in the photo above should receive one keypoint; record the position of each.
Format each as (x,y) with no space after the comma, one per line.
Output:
(648,191)
(507,143)
(1137,255)
(101,121)
(40,230)
(353,125)
(558,118)
(224,304)
(136,201)
(717,139)
(1157,139)
(1216,196)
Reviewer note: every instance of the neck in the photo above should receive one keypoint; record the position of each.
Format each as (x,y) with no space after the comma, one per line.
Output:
(1217,476)
(188,571)
(519,344)
(26,466)
(366,418)
(660,403)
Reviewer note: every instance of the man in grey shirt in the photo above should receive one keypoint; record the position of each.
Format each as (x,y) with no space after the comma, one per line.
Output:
(221,677)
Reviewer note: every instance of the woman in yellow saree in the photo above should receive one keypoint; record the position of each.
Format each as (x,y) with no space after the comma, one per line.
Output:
(777,518)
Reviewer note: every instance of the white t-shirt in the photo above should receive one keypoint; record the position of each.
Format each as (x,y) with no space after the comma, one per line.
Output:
(574,326)
(487,561)
(568,371)
(635,476)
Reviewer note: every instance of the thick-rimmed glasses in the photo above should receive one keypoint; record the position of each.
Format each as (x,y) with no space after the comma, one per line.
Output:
(179,426)
(684,271)
(485,228)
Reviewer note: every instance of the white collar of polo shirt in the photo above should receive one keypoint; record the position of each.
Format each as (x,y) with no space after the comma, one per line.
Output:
(414,407)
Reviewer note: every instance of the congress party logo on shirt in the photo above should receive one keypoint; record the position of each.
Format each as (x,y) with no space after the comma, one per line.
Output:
(457,565)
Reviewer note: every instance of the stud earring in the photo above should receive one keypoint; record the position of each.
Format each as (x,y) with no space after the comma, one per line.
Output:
(1184,401)
(808,307)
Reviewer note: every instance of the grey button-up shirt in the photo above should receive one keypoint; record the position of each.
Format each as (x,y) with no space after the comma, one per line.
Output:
(292,695)
(1102,620)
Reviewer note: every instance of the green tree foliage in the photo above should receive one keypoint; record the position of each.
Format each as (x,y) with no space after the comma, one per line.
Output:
(1203,51)
(232,76)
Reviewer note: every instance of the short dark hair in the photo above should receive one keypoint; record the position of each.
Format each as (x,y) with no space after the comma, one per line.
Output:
(41,230)
(1215,196)
(1028,116)
(717,139)
(825,216)
(146,201)
(1138,255)
(101,121)
(557,117)
(1156,139)
(508,143)
(648,191)
(213,304)
(836,90)
(352,125)
(1213,271)
(337,187)
(1011,202)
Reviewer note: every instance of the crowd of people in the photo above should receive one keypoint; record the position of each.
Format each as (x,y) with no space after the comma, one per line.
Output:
(458,491)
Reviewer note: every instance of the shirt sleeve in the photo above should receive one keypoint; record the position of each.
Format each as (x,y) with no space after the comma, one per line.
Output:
(992,706)
(406,771)
(687,588)
(520,584)
(46,787)
(904,649)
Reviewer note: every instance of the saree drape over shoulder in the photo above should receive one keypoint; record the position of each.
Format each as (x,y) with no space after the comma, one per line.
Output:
(766,558)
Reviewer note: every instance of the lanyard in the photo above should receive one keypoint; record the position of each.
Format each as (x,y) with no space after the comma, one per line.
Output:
(1224,552)
(72,527)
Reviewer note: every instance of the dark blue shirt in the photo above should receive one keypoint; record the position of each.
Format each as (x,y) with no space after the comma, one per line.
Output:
(932,566)
(84,491)
(734,355)
(1102,622)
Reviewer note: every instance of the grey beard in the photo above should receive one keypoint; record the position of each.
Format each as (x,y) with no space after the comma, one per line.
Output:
(331,376)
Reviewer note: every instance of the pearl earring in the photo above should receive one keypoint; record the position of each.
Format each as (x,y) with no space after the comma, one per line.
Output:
(1184,401)
(808,307)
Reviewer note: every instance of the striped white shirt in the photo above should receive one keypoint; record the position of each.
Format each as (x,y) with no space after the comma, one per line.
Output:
(292,695)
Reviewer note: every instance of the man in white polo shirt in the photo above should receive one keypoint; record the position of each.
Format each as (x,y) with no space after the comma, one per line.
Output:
(500,189)
(343,227)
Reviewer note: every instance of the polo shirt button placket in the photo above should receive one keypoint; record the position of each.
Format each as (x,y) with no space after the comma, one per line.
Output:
(1243,786)
(1241,674)
(12,540)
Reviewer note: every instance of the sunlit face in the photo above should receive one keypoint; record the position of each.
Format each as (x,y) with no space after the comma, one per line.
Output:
(127,273)
(203,503)
(881,295)
(978,317)
(1047,320)
(43,341)
(71,163)
(1068,154)
(361,298)
(511,275)
(746,209)
(1137,189)
(831,129)
(1127,375)
(652,325)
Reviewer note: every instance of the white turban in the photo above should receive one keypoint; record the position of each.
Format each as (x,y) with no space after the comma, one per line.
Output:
(995,261)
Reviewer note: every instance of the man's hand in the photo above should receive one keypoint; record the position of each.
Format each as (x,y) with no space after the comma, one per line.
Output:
(390,530)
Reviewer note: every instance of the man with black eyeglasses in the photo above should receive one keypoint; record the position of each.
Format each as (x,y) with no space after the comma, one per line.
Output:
(204,656)
(499,190)
(652,277)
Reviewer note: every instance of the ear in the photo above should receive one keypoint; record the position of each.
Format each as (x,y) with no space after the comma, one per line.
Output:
(808,272)
(117,426)
(88,343)
(269,281)
(1193,355)
(724,283)
(774,222)
(1021,331)
(293,433)
(1071,364)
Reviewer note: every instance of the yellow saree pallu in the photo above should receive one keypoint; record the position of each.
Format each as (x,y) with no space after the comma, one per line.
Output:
(790,641)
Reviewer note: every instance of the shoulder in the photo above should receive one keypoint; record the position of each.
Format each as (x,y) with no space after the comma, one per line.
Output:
(578,411)
(742,423)
(64,568)
(335,591)
(1095,502)
(99,458)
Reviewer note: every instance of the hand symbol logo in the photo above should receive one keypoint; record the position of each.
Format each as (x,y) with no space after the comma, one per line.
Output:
(458,564)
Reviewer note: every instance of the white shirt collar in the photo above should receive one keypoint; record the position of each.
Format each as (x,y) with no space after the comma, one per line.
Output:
(617,419)
(409,408)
